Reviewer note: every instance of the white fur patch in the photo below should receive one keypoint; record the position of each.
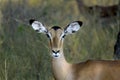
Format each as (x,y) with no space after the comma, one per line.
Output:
(73,27)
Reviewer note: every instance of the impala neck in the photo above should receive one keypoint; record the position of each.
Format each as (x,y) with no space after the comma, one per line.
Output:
(61,68)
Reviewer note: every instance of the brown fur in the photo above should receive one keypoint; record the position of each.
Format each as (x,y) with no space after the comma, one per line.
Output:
(88,70)
(97,70)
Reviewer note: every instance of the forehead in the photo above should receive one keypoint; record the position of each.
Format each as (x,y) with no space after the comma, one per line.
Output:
(56,30)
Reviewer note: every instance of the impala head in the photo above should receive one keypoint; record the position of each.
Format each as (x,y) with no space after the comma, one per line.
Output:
(56,34)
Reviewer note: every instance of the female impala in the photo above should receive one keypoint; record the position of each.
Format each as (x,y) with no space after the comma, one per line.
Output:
(62,70)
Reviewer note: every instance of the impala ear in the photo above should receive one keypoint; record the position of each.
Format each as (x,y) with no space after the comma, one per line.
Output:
(73,27)
(37,26)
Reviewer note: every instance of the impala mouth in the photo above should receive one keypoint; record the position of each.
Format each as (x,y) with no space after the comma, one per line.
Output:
(56,55)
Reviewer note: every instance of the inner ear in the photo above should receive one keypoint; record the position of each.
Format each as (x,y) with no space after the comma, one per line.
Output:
(73,27)
(38,26)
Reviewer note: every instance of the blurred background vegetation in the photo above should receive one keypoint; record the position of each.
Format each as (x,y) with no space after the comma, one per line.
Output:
(24,54)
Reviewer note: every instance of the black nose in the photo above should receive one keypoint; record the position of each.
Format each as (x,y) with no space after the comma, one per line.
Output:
(56,51)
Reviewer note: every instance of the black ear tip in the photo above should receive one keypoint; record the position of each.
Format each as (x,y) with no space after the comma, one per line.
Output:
(31,21)
(80,23)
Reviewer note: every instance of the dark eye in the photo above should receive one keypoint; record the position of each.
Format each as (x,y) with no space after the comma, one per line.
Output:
(63,36)
(48,35)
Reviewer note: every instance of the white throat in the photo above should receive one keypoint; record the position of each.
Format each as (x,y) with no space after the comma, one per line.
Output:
(61,68)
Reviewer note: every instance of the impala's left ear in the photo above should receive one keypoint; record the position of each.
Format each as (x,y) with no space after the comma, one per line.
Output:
(73,27)
(38,26)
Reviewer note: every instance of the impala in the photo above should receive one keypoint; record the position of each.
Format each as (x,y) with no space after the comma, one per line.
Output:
(62,70)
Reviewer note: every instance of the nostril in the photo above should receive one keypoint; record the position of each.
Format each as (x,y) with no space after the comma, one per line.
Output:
(53,51)
(56,51)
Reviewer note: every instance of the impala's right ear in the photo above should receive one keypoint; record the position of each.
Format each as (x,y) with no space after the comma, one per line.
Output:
(37,26)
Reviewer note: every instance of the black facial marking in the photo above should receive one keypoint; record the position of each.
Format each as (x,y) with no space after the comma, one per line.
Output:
(53,51)
(58,51)
(56,27)
(31,21)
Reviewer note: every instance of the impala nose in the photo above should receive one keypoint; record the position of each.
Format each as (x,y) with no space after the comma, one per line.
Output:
(56,54)
(56,51)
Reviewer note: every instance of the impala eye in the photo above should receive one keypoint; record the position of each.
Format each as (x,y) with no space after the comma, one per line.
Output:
(62,36)
(48,36)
